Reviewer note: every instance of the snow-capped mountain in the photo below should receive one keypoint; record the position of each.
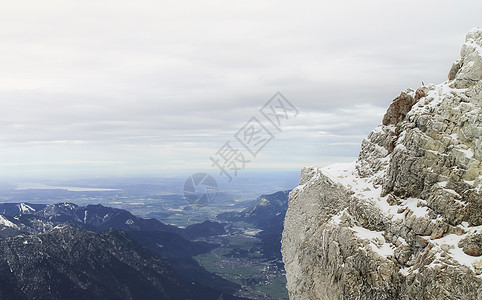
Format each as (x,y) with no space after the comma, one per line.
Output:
(405,220)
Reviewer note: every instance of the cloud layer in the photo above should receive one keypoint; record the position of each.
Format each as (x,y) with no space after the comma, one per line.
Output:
(154,87)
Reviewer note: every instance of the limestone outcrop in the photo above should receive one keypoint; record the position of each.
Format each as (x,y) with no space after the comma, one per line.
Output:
(405,220)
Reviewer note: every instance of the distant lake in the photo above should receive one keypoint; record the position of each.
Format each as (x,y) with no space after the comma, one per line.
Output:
(39,186)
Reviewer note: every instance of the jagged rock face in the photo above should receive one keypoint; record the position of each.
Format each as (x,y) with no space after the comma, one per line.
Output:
(405,220)
(466,71)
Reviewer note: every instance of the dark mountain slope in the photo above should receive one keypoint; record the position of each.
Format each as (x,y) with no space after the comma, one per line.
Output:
(67,263)
(267,213)
(263,210)
(164,240)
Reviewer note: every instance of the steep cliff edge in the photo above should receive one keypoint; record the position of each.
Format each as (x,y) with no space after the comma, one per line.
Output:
(405,220)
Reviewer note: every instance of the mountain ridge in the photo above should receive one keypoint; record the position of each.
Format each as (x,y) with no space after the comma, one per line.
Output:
(68,263)
(173,246)
(267,213)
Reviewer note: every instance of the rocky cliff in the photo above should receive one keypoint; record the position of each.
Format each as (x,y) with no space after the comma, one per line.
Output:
(405,220)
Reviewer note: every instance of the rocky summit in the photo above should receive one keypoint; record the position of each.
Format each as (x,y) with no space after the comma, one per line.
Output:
(405,220)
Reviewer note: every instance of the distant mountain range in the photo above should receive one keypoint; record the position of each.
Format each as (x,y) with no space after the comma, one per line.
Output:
(267,213)
(65,251)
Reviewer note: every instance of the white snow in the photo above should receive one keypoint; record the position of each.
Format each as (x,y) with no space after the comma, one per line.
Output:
(467,152)
(346,175)
(24,208)
(472,43)
(342,173)
(453,192)
(405,271)
(454,136)
(377,240)
(7,223)
(470,182)
(337,218)
(364,233)
(452,240)
(442,183)
(412,204)
(316,175)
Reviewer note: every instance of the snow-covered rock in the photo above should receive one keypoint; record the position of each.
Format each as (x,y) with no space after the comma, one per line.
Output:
(405,220)
(6,223)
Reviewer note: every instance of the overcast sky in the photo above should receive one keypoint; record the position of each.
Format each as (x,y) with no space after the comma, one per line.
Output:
(95,88)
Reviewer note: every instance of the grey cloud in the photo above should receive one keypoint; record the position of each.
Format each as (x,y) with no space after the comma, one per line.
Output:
(167,83)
